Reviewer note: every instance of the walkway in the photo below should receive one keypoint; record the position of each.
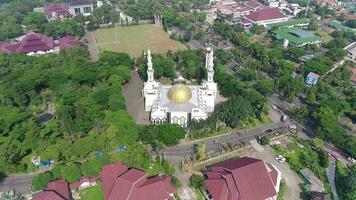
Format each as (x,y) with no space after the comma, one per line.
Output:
(330,172)
(92,46)
(133,100)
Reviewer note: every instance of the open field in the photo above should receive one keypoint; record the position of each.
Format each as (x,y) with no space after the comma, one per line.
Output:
(135,39)
(92,193)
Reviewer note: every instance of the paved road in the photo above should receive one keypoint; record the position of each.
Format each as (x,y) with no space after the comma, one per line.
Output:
(330,172)
(182,152)
(21,183)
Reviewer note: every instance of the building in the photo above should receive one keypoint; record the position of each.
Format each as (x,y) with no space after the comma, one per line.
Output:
(83,183)
(244,179)
(353,73)
(56,190)
(296,37)
(351,51)
(312,183)
(272,3)
(312,78)
(38,44)
(267,16)
(120,182)
(179,103)
(84,7)
(57,11)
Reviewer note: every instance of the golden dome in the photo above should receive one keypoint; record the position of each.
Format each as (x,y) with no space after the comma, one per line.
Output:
(179,93)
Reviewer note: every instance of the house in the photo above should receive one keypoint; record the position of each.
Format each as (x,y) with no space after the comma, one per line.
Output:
(56,11)
(272,3)
(56,190)
(312,78)
(83,183)
(267,16)
(38,44)
(84,7)
(312,183)
(120,182)
(351,51)
(244,178)
(319,196)
(353,73)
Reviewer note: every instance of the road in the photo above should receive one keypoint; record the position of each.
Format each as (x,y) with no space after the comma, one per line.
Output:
(330,172)
(182,152)
(21,183)
(92,46)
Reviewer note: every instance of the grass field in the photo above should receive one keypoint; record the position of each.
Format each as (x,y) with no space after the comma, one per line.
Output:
(92,193)
(135,39)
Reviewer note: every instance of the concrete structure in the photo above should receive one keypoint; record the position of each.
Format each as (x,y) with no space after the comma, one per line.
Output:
(84,7)
(312,78)
(243,179)
(83,183)
(351,51)
(312,183)
(158,19)
(38,44)
(179,103)
(120,182)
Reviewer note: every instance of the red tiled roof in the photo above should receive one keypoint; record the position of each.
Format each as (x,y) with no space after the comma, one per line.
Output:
(119,182)
(56,190)
(353,71)
(266,14)
(68,41)
(57,9)
(80,2)
(242,179)
(253,4)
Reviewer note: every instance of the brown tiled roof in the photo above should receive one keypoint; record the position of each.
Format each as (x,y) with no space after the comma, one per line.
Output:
(59,9)
(241,179)
(80,2)
(68,41)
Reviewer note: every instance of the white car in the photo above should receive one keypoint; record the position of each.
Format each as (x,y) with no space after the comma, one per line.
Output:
(282,160)
(352,160)
(279,157)
(292,126)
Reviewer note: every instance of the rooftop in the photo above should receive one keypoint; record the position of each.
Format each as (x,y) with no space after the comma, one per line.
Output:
(80,2)
(296,35)
(266,14)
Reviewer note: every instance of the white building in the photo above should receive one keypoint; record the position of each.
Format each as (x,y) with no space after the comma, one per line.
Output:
(84,7)
(179,103)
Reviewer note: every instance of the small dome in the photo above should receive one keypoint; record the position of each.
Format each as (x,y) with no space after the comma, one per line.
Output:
(179,93)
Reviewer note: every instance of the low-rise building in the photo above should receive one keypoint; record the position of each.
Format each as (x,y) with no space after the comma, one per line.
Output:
(312,183)
(351,51)
(296,37)
(84,7)
(120,182)
(56,190)
(57,11)
(312,78)
(267,16)
(245,178)
(38,44)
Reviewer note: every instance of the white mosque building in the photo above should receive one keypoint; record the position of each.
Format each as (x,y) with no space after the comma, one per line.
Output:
(179,103)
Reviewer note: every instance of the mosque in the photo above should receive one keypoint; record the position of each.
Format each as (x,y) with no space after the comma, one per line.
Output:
(179,103)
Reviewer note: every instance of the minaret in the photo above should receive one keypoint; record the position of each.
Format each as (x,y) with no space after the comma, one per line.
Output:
(209,64)
(150,70)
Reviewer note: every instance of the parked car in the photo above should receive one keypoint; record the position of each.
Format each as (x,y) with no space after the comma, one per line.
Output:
(279,157)
(284,118)
(352,160)
(282,160)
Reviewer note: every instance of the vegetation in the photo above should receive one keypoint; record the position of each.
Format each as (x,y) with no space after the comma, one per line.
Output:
(167,134)
(345,181)
(282,188)
(92,193)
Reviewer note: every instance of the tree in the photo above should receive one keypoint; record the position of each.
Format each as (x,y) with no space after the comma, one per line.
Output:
(40,181)
(35,21)
(201,151)
(351,23)
(9,28)
(336,53)
(90,168)
(71,172)
(265,87)
(196,181)
(265,140)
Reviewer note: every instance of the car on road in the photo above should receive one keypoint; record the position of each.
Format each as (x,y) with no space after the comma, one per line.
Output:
(352,160)
(292,126)
(284,118)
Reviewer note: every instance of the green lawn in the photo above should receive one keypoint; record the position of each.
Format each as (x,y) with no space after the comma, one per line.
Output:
(326,37)
(136,39)
(92,193)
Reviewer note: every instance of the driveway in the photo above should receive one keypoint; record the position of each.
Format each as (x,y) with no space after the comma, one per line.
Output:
(92,46)
(20,183)
(292,189)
